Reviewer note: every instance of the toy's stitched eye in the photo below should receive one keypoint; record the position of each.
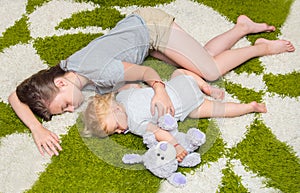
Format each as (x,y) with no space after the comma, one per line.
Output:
(162,158)
(158,154)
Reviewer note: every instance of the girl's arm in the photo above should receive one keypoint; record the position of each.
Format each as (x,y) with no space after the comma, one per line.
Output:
(43,138)
(161,99)
(163,135)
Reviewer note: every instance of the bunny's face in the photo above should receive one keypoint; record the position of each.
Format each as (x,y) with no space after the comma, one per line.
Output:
(162,154)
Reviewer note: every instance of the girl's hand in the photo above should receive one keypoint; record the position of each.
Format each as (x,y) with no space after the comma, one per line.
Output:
(162,101)
(46,141)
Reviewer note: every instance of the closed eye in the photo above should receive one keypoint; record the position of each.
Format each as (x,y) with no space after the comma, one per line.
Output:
(64,108)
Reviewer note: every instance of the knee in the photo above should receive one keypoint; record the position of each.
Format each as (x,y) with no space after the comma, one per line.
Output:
(211,76)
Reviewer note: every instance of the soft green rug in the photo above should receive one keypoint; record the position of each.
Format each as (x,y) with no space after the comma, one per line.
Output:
(252,153)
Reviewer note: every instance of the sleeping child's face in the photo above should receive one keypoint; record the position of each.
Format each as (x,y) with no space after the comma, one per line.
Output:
(116,120)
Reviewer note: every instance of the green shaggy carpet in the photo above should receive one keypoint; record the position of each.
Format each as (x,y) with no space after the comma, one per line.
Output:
(79,168)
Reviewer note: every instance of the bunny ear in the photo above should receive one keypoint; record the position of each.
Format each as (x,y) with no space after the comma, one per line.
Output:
(132,159)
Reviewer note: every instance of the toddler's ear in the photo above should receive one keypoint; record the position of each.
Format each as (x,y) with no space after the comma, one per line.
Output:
(116,107)
(86,132)
(60,82)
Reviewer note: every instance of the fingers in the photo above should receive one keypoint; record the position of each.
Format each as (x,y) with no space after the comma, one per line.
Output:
(181,153)
(41,150)
(51,148)
(56,142)
(167,110)
(181,156)
(163,103)
(214,92)
(55,137)
(152,108)
(51,145)
(47,148)
(171,111)
(54,146)
(162,109)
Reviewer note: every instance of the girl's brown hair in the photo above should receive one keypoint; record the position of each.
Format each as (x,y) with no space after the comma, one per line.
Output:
(39,90)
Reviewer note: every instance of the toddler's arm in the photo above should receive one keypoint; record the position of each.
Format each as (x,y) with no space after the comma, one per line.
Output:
(163,135)
(43,138)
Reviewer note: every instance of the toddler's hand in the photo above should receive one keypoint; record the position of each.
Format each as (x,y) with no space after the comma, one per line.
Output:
(180,152)
(214,92)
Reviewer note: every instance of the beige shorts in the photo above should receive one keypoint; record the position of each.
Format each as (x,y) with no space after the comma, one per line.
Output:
(159,24)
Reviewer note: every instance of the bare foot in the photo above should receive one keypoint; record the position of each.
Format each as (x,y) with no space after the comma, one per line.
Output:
(250,26)
(213,92)
(258,107)
(275,46)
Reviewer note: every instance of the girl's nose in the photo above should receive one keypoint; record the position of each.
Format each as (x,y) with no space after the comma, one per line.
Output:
(70,109)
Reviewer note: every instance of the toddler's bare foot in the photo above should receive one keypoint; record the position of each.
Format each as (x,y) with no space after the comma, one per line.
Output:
(213,92)
(250,26)
(275,46)
(258,107)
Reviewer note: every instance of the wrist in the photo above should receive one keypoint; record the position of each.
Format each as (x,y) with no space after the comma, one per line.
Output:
(176,144)
(35,127)
(157,84)
(173,142)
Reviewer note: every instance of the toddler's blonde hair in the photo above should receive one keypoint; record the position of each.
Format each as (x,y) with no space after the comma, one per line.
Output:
(99,106)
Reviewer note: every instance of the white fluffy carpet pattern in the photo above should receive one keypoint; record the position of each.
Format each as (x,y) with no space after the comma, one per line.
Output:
(19,153)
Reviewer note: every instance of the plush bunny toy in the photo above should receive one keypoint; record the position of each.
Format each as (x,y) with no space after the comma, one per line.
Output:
(190,141)
(161,161)
(160,158)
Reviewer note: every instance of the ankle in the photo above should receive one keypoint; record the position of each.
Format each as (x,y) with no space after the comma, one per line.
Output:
(261,48)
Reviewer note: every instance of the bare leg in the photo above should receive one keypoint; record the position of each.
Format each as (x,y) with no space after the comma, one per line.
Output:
(189,54)
(203,85)
(230,59)
(217,109)
(185,51)
(243,27)
(161,56)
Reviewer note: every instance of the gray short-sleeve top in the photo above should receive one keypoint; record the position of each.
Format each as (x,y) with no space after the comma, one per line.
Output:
(183,91)
(101,60)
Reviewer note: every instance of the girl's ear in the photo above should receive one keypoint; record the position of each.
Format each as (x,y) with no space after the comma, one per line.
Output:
(60,82)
